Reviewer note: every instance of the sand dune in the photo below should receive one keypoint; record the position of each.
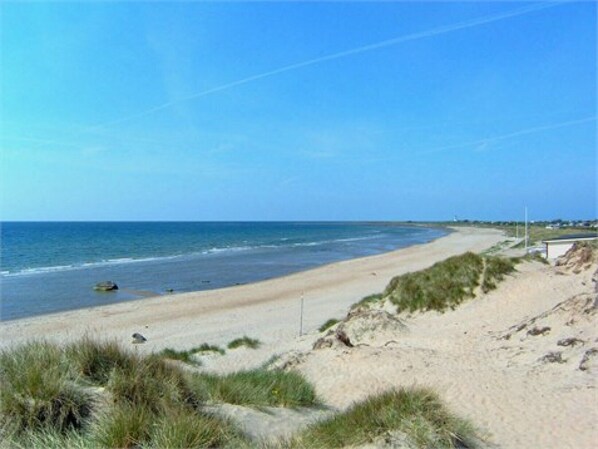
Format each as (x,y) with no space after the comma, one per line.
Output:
(520,362)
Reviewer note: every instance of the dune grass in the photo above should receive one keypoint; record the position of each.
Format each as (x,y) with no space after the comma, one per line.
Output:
(416,414)
(151,383)
(96,360)
(251,343)
(97,394)
(495,270)
(205,347)
(445,284)
(448,283)
(328,324)
(48,438)
(186,355)
(184,429)
(366,301)
(257,387)
(36,392)
(123,426)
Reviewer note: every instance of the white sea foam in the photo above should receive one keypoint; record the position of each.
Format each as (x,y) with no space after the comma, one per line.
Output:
(214,250)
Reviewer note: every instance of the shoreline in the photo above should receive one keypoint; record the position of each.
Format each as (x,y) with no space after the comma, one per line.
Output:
(169,320)
(261,255)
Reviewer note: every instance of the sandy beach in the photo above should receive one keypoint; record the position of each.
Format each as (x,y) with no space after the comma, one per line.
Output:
(268,310)
(511,361)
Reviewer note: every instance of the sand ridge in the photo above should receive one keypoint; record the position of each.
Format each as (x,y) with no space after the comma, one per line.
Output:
(492,360)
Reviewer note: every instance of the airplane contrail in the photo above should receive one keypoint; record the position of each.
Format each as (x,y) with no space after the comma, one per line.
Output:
(522,132)
(341,54)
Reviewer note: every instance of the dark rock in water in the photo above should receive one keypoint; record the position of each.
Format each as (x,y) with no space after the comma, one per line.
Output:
(138,338)
(106,286)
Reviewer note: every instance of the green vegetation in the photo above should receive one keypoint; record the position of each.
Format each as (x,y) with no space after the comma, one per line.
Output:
(36,392)
(495,270)
(538,233)
(368,300)
(182,356)
(123,426)
(96,360)
(208,348)
(328,324)
(251,343)
(256,388)
(498,247)
(187,355)
(418,414)
(447,283)
(96,394)
(48,438)
(184,429)
(151,383)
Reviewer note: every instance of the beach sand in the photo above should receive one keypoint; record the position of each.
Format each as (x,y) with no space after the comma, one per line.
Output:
(510,360)
(268,310)
(486,359)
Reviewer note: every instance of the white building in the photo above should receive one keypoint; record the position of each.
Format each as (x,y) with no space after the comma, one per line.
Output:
(558,246)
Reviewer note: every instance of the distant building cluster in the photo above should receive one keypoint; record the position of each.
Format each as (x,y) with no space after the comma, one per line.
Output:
(551,224)
(557,224)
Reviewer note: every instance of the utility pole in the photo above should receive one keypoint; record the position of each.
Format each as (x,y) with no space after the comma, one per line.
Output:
(526,240)
(301,317)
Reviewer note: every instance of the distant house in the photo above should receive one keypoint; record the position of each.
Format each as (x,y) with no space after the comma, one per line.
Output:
(558,246)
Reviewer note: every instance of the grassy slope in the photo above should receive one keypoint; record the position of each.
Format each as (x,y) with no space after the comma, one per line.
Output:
(417,414)
(445,284)
(95,394)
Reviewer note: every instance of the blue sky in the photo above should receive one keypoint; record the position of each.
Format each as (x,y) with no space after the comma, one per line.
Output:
(298,111)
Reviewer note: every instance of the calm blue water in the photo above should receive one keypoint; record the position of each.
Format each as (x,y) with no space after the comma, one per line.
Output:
(51,267)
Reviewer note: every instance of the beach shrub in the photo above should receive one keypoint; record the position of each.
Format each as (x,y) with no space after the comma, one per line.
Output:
(418,414)
(251,343)
(36,391)
(257,387)
(328,324)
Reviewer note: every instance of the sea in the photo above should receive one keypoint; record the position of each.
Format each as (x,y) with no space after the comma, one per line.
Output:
(48,267)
